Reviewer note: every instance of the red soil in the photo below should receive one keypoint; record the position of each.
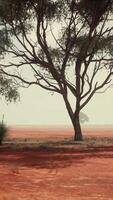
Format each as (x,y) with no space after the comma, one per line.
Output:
(56,173)
(57,133)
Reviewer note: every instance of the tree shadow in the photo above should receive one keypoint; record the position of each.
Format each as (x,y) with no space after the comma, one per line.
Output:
(52,157)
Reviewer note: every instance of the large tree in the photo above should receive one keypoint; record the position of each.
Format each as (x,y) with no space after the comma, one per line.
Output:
(63,46)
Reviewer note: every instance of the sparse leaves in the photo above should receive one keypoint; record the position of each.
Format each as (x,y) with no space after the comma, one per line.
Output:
(8,89)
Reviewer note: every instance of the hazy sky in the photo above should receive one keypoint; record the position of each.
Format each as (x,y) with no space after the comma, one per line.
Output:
(39,107)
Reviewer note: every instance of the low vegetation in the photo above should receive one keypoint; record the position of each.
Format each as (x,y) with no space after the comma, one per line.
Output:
(3,131)
(66,143)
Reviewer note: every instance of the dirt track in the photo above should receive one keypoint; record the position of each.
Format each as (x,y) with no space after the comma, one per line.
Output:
(57,173)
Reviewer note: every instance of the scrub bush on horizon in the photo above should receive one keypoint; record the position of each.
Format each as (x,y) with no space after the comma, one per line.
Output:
(3,131)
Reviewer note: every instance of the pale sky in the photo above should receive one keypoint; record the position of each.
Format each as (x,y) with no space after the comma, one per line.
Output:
(39,107)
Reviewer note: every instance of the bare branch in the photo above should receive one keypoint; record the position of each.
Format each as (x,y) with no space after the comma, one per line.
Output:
(98,87)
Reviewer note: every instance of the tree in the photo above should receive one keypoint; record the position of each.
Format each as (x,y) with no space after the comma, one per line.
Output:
(65,46)
(83,118)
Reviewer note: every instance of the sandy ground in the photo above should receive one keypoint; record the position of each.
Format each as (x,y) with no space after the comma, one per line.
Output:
(58,133)
(62,173)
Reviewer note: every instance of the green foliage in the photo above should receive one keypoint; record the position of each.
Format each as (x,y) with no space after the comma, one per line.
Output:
(103,44)
(8,89)
(11,12)
(94,10)
(83,118)
(5,42)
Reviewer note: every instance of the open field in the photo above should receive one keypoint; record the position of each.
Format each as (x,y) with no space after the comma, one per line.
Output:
(45,164)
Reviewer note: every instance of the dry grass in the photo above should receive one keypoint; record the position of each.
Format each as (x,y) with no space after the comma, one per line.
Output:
(87,143)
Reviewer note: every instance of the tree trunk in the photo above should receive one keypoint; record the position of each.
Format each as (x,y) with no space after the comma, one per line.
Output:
(77,128)
(74,119)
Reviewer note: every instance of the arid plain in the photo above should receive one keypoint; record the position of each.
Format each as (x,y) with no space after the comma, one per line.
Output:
(45,164)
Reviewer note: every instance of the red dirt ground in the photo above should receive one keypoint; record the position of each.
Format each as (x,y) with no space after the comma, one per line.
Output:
(62,173)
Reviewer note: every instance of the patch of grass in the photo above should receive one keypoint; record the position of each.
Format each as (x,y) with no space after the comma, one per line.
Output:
(98,141)
(87,143)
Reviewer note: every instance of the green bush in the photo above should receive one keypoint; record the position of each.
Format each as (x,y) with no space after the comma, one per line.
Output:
(3,131)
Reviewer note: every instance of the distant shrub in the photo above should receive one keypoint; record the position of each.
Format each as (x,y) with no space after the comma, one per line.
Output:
(83,118)
(3,131)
